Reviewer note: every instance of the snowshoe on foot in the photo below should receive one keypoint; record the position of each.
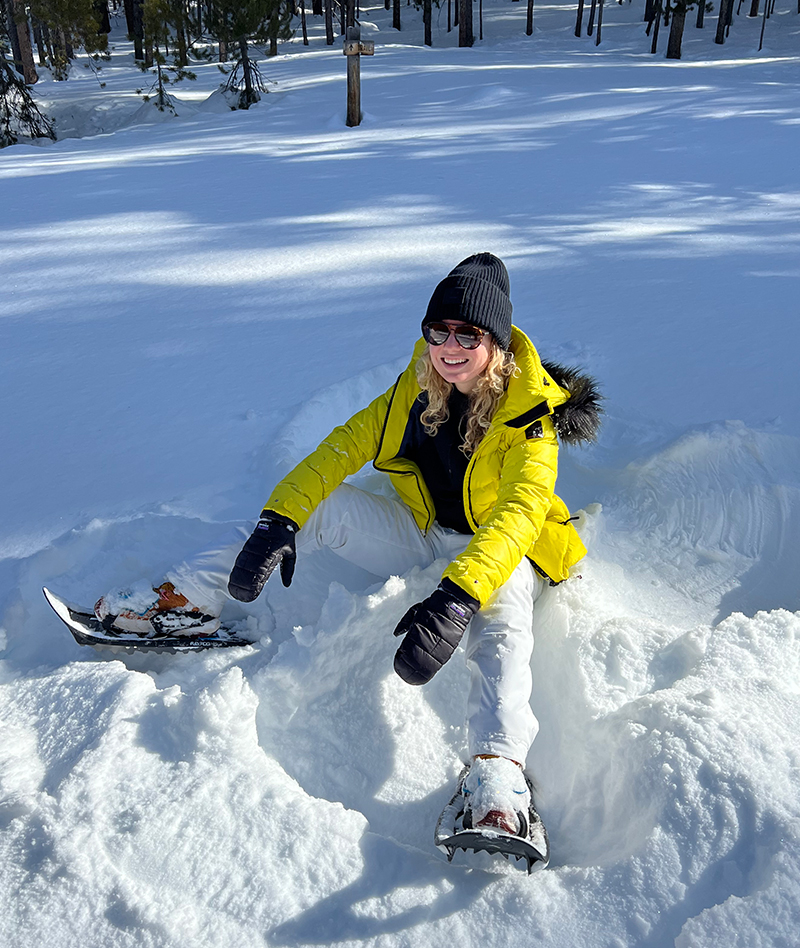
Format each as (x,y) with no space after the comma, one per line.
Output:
(87,629)
(492,811)
(157,613)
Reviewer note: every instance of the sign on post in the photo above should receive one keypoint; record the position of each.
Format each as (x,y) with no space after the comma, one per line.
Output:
(354,49)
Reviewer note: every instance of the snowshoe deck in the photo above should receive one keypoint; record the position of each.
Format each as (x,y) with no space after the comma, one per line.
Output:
(87,629)
(451,835)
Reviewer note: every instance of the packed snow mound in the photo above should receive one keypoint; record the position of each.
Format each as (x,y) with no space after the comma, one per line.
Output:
(716,513)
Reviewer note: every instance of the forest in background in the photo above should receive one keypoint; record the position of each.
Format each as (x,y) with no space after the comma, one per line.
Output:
(169,36)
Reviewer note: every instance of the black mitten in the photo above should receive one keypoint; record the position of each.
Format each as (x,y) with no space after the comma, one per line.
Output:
(432,629)
(272,542)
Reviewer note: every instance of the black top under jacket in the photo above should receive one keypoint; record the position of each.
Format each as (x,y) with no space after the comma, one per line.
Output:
(439,459)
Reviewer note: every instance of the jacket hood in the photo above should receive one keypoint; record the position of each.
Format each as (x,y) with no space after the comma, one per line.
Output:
(578,420)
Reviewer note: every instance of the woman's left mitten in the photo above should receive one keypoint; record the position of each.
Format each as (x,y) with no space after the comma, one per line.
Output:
(432,629)
(271,543)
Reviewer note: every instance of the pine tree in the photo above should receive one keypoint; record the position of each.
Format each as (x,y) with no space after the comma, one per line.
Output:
(20,116)
(69,23)
(236,23)
(159,18)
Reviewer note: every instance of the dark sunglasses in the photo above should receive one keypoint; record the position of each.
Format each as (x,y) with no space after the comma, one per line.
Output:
(437,334)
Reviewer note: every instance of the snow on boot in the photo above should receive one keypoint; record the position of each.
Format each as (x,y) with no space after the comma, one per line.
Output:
(497,796)
(153,613)
(492,811)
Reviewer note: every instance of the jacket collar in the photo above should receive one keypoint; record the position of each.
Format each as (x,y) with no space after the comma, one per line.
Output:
(532,393)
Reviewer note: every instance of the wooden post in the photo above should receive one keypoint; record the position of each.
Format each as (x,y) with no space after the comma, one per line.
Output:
(353,49)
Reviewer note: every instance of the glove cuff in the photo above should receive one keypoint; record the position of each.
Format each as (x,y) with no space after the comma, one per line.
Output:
(456,592)
(271,515)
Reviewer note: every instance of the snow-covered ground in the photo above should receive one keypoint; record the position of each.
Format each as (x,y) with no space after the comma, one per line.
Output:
(187,307)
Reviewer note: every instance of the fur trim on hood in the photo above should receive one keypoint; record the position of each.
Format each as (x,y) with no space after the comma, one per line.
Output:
(576,421)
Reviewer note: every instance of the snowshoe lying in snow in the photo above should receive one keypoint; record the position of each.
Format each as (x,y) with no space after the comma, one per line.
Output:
(492,811)
(87,629)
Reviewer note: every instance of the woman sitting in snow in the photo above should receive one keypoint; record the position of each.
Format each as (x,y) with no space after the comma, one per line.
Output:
(469,436)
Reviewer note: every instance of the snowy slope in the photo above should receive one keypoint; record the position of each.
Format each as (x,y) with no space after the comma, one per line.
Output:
(189,306)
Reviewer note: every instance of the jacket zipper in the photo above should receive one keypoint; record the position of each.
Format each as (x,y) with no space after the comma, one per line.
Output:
(387,470)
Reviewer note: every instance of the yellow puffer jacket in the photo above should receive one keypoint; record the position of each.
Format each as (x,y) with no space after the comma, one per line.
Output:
(509,485)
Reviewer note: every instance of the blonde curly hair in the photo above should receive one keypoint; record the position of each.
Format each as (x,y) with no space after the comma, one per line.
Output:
(483,400)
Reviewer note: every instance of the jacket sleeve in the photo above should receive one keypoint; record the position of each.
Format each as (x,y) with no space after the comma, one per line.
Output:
(345,451)
(525,494)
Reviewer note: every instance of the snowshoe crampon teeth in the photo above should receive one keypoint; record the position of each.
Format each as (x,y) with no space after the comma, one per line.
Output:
(454,831)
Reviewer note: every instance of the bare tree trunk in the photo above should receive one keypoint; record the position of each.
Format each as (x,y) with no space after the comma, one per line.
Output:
(128,6)
(223,51)
(676,30)
(47,39)
(599,22)
(701,14)
(11,26)
(29,73)
(480,19)
(764,19)
(183,46)
(138,29)
(303,22)
(649,7)
(59,59)
(316,8)
(37,38)
(426,20)
(465,35)
(450,16)
(329,22)
(579,18)
(590,24)
(396,14)
(244,57)
(657,22)
(754,8)
(100,12)
(725,8)
(529,20)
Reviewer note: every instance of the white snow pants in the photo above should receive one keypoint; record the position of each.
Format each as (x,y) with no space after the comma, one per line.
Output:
(380,535)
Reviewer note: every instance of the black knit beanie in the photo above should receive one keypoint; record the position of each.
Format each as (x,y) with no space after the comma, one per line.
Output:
(476,292)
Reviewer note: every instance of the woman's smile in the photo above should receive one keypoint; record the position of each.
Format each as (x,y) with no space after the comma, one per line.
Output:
(460,367)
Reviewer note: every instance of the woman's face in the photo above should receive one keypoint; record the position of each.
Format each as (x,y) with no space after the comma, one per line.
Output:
(461,367)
